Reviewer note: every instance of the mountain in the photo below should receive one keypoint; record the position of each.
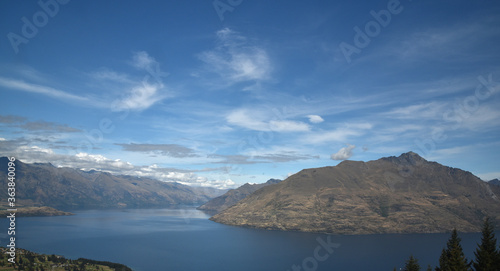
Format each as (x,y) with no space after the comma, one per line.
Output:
(232,197)
(495,182)
(404,194)
(43,184)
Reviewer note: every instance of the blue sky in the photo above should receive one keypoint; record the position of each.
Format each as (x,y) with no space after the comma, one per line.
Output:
(220,93)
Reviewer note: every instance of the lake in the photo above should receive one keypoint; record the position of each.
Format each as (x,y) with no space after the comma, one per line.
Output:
(184,239)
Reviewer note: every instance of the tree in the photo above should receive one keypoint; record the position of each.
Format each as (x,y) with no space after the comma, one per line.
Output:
(487,253)
(452,258)
(412,264)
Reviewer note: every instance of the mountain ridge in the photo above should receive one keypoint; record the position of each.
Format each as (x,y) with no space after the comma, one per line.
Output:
(405,194)
(43,184)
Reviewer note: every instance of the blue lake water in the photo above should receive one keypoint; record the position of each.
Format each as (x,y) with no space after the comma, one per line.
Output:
(184,239)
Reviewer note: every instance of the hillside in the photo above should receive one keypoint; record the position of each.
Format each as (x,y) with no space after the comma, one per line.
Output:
(232,197)
(28,260)
(68,189)
(404,194)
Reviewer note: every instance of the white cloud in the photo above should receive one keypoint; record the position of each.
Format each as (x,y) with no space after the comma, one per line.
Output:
(339,134)
(34,88)
(431,110)
(450,40)
(2,139)
(147,92)
(258,121)
(106,74)
(288,126)
(315,119)
(142,60)
(86,161)
(235,60)
(344,153)
(35,149)
(140,97)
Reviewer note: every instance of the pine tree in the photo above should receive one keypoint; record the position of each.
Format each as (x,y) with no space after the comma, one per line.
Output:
(486,253)
(412,264)
(453,258)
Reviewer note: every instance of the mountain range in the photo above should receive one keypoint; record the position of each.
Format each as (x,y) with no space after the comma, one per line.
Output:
(233,196)
(405,194)
(42,184)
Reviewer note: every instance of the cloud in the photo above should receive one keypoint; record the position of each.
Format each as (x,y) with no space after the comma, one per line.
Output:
(235,60)
(172,150)
(142,60)
(431,110)
(86,161)
(288,126)
(140,98)
(147,92)
(344,153)
(106,74)
(20,122)
(48,126)
(447,41)
(339,134)
(34,88)
(258,121)
(9,119)
(285,157)
(262,157)
(315,118)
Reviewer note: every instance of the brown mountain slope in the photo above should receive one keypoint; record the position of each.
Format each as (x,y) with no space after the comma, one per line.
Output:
(68,189)
(232,197)
(404,194)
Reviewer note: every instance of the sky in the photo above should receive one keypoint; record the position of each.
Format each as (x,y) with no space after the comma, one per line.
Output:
(225,92)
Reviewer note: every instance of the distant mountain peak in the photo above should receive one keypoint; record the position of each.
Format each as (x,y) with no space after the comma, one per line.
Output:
(495,182)
(273,181)
(233,196)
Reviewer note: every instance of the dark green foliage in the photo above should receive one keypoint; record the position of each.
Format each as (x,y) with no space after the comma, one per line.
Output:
(412,264)
(453,258)
(487,255)
(116,266)
(30,261)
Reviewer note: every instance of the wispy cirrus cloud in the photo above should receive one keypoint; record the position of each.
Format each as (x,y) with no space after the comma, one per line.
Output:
(39,89)
(448,40)
(172,150)
(261,121)
(341,134)
(149,91)
(235,60)
(260,157)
